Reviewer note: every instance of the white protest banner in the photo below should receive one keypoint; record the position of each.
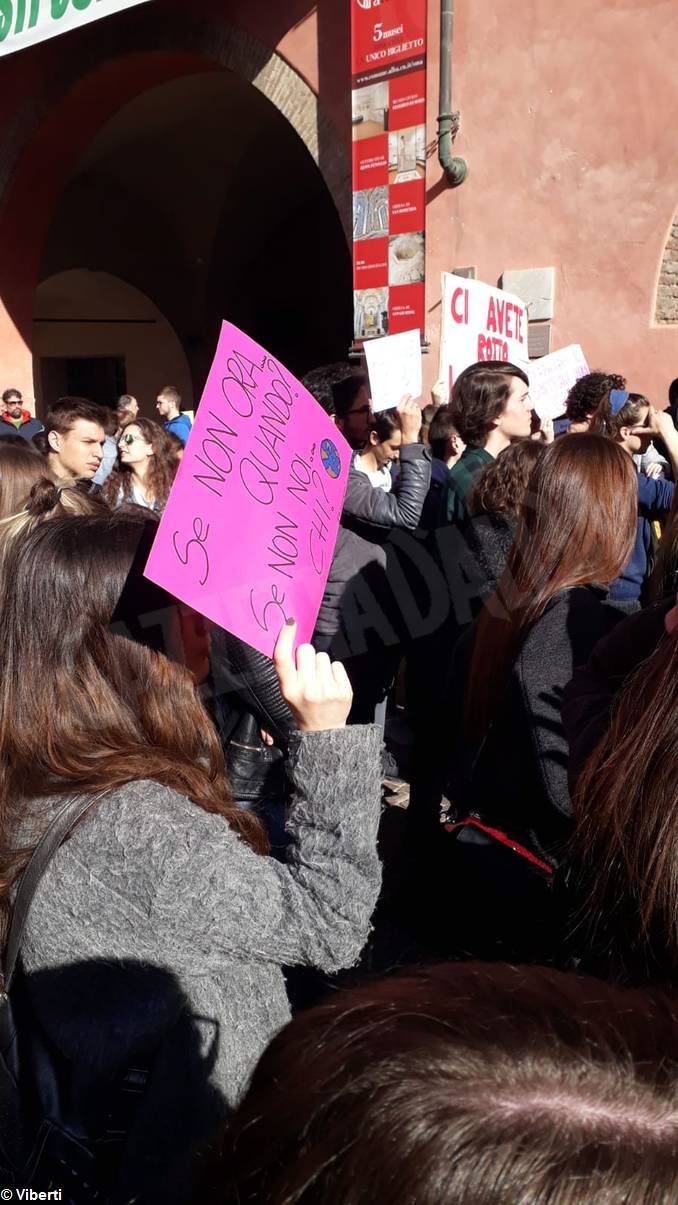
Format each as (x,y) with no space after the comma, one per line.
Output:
(394,365)
(479,323)
(552,377)
(25,22)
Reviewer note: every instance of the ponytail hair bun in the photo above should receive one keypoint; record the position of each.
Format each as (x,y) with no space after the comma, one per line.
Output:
(618,409)
(43,497)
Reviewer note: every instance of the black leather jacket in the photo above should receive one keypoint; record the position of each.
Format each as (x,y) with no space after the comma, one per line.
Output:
(368,517)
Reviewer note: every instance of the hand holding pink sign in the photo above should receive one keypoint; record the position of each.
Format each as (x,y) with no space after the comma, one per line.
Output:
(249,530)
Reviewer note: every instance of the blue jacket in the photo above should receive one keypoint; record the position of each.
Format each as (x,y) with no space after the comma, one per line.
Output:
(180,426)
(654,501)
(108,463)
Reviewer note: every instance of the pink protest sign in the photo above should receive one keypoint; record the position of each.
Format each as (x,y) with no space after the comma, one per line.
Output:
(248,533)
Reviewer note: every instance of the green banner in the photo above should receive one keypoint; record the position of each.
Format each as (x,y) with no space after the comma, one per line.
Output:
(25,22)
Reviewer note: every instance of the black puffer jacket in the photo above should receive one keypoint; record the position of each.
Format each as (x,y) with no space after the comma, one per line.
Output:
(358,570)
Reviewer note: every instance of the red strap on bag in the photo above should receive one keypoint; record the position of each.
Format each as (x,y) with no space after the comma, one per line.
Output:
(502,838)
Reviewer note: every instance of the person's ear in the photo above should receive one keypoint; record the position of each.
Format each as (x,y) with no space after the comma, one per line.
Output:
(373,439)
(53,441)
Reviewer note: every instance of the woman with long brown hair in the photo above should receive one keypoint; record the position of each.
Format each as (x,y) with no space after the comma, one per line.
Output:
(146,469)
(621,869)
(508,771)
(164,873)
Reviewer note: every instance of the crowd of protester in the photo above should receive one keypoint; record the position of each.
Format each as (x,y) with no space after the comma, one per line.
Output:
(196,935)
(125,457)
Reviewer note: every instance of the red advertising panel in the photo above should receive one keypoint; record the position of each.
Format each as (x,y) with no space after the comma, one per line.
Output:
(388,49)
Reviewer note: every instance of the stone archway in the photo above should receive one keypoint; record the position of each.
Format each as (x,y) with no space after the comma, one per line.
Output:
(199,193)
(95,79)
(666,303)
(216,45)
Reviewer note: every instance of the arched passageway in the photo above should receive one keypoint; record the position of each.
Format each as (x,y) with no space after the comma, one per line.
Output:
(199,194)
(96,336)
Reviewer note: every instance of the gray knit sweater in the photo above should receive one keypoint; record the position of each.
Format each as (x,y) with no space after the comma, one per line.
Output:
(154,913)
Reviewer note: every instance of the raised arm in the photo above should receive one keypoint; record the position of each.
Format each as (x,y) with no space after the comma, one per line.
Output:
(662,425)
(402,506)
(223,902)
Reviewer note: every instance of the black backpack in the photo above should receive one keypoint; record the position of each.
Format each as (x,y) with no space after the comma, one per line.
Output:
(63,1125)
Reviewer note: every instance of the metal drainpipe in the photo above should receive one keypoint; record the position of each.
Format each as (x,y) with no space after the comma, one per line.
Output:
(455,169)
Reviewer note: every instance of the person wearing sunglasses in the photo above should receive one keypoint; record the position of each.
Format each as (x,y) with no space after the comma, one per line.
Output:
(146,467)
(353,410)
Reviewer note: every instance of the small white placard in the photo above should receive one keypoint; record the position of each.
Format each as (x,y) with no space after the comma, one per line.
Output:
(394,365)
(552,377)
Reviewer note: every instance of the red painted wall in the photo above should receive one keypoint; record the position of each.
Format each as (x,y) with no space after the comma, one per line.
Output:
(569,118)
(568,126)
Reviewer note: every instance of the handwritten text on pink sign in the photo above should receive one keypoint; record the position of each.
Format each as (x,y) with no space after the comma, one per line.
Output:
(248,533)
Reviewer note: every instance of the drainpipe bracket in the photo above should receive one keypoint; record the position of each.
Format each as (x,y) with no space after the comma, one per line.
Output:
(449,123)
(455,168)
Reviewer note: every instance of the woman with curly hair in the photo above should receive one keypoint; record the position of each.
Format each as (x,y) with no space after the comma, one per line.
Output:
(501,487)
(584,398)
(495,505)
(146,469)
